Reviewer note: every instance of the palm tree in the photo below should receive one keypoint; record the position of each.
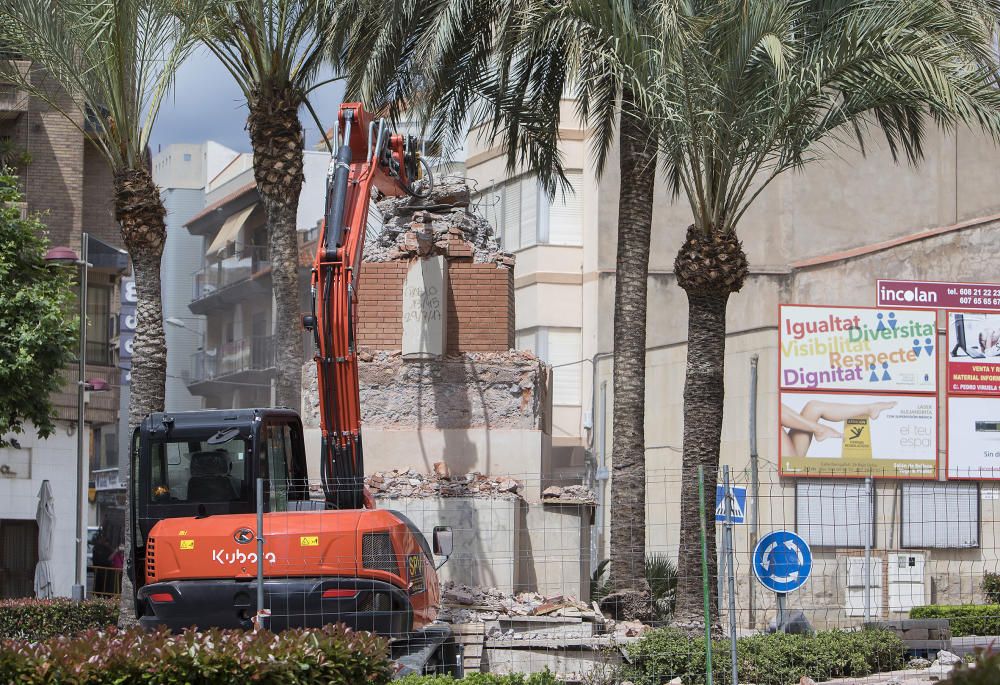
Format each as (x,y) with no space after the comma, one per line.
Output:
(274,50)
(746,91)
(105,65)
(730,94)
(509,64)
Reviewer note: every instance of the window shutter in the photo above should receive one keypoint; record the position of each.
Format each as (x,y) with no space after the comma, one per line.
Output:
(566,213)
(832,514)
(529,210)
(564,347)
(511,216)
(940,515)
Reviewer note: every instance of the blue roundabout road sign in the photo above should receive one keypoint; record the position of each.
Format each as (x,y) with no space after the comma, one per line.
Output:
(782,561)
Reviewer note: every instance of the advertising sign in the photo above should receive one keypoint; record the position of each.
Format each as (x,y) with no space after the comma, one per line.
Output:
(973,353)
(938,295)
(126,332)
(974,438)
(850,348)
(858,435)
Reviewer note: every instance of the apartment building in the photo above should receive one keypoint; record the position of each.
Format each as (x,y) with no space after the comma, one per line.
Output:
(232,289)
(820,236)
(65,181)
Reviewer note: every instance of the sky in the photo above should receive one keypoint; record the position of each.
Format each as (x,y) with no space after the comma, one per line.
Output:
(206,104)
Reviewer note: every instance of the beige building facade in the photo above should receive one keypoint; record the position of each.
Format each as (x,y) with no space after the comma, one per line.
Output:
(820,236)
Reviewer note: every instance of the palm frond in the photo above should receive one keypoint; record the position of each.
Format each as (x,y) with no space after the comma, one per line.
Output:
(106,65)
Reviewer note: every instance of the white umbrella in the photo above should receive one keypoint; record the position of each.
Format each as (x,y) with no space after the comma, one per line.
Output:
(45,516)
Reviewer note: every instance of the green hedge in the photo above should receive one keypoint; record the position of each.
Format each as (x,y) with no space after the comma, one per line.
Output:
(776,659)
(331,656)
(964,619)
(40,619)
(543,678)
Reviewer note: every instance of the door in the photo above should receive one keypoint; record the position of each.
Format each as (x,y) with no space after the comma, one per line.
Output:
(18,557)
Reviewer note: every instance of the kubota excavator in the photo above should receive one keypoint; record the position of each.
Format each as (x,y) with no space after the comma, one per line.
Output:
(196,539)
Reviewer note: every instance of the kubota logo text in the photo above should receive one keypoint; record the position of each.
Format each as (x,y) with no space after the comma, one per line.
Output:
(238,557)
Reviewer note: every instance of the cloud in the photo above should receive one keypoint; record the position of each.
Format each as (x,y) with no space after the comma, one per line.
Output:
(206,104)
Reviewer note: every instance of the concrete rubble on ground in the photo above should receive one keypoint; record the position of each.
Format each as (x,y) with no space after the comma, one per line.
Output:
(469,604)
(575,494)
(920,672)
(439,224)
(411,483)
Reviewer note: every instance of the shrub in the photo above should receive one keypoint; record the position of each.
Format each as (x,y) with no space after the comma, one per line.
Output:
(776,659)
(40,619)
(964,619)
(991,587)
(332,655)
(661,574)
(985,670)
(543,678)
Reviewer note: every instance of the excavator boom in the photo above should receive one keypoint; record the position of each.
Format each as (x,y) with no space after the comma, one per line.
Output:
(367,157)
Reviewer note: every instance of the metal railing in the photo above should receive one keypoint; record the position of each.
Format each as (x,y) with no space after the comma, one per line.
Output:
(248,261)
(247,354)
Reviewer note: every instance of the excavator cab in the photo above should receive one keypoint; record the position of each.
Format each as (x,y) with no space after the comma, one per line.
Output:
(205,463)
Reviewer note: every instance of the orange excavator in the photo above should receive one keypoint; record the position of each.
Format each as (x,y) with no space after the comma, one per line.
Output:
(225,530)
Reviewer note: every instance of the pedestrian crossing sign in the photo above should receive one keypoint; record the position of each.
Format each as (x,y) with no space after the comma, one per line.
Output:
(739,504)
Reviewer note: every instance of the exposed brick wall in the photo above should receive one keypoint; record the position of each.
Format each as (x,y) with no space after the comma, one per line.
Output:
(480,306)
(98,198)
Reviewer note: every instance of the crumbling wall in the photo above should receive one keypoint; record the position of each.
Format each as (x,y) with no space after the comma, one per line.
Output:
(473,390)
(439,224)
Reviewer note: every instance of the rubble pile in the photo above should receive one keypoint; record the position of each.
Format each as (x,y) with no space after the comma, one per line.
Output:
(398,483)
(575,494)
(439,224)
(468,604)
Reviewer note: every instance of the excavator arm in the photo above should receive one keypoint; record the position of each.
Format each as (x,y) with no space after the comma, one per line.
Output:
(367,156)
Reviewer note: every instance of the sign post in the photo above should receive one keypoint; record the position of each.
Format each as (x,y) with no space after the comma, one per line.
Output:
(782,562)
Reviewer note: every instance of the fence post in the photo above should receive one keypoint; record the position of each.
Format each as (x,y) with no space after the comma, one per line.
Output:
(260,553)
(868,555)
(728,553)
(754,483)
(704,575)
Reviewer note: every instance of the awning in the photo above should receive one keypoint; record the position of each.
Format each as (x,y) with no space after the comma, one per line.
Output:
(231,229)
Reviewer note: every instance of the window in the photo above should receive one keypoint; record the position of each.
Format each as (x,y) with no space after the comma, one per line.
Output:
(523,216)
(834,514)
(99,324)
(277,453)
(940,515)
(193,471)
(564,219)
(187,157)
(561,348)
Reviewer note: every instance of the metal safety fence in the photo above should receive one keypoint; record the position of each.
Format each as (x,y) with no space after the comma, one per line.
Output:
(527,572)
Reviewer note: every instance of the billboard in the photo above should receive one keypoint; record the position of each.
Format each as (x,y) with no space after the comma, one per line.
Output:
(938,295)
(857,435)
(973,353)
(974,438)
(852,349)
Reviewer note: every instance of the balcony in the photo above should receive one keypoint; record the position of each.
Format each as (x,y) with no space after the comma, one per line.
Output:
(107,479)
(13,99)
(213,282)
(250,360)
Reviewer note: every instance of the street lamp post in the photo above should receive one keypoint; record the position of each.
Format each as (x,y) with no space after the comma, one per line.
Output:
(64,255)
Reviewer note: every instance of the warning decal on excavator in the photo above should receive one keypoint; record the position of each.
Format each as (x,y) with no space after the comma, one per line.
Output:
(187,544)
(415,569)
(309,541)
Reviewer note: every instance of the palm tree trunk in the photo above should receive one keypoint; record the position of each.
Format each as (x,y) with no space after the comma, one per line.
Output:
(277,139)
(139,211)
(703,396)
(637,160)
(709,268)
